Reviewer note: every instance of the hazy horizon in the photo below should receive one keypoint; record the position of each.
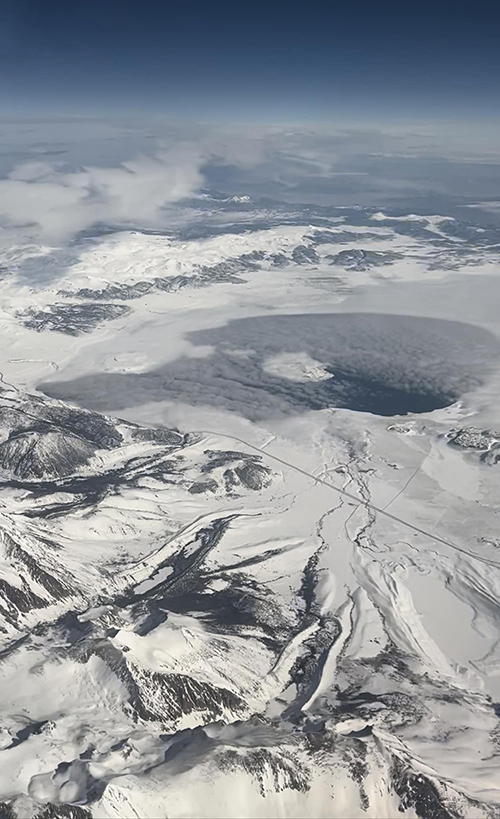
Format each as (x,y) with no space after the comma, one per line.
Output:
(258,62)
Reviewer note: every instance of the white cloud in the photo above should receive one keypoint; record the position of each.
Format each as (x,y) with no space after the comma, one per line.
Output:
(362,164)
(59,204)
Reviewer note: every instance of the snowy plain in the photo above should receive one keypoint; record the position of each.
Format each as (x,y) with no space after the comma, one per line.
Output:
(288,608)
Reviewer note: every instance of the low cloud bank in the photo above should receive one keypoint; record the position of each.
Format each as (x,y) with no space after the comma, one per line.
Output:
(59,204)
(74,173)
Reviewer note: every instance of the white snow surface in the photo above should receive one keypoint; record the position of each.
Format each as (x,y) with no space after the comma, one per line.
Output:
(323,645)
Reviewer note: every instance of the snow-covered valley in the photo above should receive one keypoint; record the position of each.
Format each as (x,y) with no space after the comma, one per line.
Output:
(249,508)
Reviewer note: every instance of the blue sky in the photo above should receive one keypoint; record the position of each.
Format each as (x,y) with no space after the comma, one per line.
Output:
(114,111)
(250,61)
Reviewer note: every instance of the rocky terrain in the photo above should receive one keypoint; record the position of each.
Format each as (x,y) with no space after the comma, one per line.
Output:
(248,518)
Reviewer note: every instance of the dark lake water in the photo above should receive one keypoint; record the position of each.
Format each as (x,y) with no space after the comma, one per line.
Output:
(382,364)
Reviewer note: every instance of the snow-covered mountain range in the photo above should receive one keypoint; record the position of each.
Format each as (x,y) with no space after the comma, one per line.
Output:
(249,529)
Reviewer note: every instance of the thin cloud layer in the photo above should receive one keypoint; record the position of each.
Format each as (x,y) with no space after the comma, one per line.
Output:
(58,204)
(387,364)
(68,175)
